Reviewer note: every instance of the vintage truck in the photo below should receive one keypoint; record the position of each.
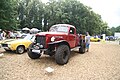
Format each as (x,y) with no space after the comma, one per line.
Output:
(59,41)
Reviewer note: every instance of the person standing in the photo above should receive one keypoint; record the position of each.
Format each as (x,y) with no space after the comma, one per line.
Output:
(1,54)
(87,41)
(1,34)
(12,34)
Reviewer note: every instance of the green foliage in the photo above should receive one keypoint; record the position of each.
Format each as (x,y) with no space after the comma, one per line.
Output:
(117,29)
(34,13)
(113,30)
(75,13)
(31,13)
(8,14)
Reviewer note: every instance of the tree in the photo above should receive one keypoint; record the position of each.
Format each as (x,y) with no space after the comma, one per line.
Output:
(117,29)
(8,14)
(31,13)
(75,13)
(34,13)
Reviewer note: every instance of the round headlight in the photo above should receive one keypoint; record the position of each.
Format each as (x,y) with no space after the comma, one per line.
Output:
(53,38)
(41,46)
(9,45)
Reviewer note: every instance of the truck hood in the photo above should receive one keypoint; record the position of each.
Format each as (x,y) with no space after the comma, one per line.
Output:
(52,33)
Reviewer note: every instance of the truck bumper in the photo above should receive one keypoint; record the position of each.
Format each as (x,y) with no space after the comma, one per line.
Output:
(38,51)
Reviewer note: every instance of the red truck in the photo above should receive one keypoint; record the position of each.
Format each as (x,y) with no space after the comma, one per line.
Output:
(59,41)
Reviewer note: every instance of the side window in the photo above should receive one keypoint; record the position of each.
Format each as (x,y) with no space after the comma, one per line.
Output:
(72,30)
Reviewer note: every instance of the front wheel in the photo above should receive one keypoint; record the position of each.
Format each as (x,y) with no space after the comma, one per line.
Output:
(20,49)
(31,54)
(62,54)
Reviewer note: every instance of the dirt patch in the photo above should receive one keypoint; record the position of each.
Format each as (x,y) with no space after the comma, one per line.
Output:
(101,63)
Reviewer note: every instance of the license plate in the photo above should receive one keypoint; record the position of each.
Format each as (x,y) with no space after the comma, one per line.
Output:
(36,51)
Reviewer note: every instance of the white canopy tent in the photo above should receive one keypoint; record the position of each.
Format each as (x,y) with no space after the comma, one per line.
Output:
(34,30)
(26,28)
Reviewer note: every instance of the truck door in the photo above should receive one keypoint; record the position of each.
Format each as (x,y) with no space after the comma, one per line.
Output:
(72,37)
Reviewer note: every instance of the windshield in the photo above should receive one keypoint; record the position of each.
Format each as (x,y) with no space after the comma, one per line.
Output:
(59,28)
(27,37)
(23,36)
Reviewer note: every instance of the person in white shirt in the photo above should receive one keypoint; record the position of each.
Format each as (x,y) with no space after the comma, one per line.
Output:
(87,41)
(12,35)
(3,34)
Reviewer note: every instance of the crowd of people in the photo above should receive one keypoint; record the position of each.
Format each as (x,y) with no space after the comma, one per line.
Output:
(5,34)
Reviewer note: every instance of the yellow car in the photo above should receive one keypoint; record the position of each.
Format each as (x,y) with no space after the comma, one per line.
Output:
(18,45)
(95,39)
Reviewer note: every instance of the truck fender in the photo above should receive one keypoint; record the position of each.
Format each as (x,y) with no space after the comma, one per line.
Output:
(59,43)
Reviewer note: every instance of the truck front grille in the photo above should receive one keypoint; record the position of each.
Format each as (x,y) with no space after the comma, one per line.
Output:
(41,40)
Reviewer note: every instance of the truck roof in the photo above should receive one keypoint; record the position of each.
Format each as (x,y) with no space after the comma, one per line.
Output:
(65,25)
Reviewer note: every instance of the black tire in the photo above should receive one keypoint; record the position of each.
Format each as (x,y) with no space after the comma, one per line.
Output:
(31,54)
(20,49)
(82,48)
(98,41)
(62,54)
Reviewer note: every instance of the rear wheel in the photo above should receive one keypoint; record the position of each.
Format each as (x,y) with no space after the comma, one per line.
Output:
(31,54)
(62,54)
(20,49)
(98,41)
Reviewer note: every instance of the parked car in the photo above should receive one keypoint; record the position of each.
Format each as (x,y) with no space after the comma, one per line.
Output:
(107,38)
(95,39)
(18,45)
(111,38)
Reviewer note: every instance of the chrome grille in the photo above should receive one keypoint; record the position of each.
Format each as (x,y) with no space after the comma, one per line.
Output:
(41,40)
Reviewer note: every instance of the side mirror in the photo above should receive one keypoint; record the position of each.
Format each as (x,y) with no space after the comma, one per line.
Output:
(70,31)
